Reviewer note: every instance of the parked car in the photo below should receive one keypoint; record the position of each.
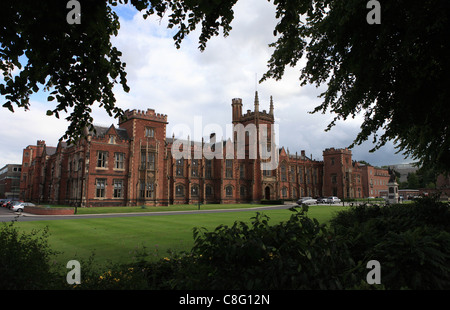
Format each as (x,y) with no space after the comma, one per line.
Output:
(333,199)
(307,201)
(20,206)
(12,203)
(300,201)
(322,200)
(4,203)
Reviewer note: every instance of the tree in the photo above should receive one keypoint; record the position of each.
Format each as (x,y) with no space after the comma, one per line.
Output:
(75,63)
(395,72)
(413,180)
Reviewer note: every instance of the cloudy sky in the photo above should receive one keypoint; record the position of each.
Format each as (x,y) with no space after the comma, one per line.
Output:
(187,84)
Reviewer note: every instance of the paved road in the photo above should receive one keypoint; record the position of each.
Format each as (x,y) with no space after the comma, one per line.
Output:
(7,215)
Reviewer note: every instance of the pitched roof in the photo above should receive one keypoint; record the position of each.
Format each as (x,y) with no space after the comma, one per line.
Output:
(100,131)
(50,150)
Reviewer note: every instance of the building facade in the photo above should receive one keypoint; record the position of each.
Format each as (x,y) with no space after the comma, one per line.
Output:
(136,163)
(10,181)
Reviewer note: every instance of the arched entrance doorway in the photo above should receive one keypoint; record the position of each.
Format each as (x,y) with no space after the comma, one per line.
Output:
(267,193)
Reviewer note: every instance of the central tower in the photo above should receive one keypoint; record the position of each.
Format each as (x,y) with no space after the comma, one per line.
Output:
(259,133)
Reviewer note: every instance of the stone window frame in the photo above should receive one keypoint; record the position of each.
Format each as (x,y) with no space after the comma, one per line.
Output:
(229,191)
(179,190)
(284,192)
(242,171)
(229,168)
(102,160)
(283,173)
(333,178)
(195,168)
(195,190)
(100,188)
(119,163)
(118,188)
(149,132)
(179,167)
(148,160)
(208,169)
(209,190)
(146,190)
(243,191)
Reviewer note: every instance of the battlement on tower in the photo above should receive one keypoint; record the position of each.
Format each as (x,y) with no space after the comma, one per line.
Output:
(332,150)
(236,101)
(261,115)
(150,115)
(251,115)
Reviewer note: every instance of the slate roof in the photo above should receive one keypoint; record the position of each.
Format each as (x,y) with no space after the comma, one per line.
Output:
(100,131)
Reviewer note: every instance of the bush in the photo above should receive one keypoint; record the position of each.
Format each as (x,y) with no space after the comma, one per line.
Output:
(417,258)
(272,202)
(296,254)
(411,242)
(25,259)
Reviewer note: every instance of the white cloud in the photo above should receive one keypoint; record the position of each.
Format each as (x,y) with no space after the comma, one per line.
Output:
(22,128)
(184,83)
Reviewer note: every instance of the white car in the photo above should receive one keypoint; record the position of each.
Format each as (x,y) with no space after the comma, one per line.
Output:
(333,199)
(306,201)
(21,206)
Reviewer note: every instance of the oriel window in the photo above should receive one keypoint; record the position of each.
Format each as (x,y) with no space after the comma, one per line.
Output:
(229,168)
(208,168)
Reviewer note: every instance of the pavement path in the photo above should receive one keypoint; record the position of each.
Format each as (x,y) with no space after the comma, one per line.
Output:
(7,215)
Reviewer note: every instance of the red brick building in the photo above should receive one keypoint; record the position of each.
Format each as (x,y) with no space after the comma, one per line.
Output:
(342,178)
(345,178)
(374,181)
(10,181)
(135,164)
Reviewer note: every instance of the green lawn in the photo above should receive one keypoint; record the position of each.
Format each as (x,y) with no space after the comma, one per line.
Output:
(117,239)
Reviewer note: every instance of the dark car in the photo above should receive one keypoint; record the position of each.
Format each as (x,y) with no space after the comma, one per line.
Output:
(322,200)
(12,202)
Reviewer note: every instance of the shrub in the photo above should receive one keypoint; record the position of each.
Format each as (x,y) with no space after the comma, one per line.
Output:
(411,242)
(25,259)
(296,254)
(418,258)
